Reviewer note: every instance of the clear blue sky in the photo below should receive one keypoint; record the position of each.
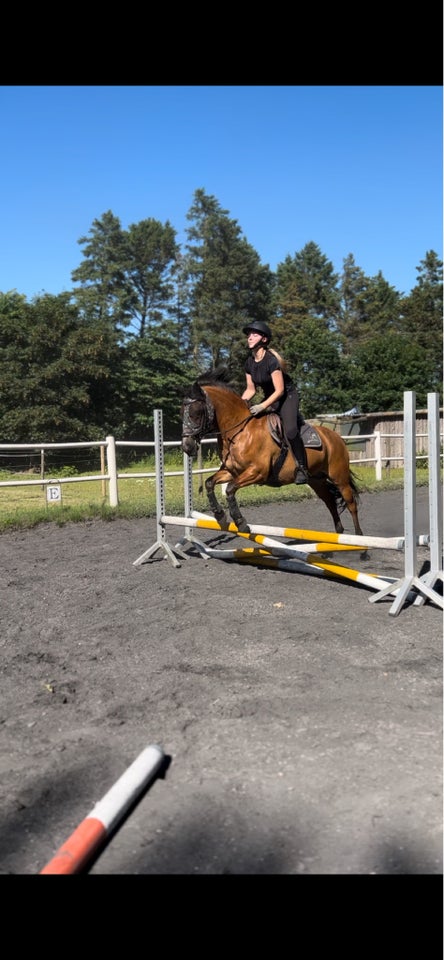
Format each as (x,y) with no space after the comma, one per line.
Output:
(354,169)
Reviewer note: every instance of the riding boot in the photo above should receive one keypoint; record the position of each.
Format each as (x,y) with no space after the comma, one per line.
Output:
(301,473)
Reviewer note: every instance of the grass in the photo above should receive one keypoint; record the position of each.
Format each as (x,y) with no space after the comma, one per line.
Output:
(26,507)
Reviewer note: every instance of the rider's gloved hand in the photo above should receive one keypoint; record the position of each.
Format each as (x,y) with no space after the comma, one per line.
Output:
(257,408)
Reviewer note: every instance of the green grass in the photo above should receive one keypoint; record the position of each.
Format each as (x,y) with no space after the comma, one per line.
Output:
(25,507)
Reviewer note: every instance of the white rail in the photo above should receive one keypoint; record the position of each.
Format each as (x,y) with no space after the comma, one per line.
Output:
(113,475)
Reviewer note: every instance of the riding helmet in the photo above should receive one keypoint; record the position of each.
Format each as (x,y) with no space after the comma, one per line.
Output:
(258,326)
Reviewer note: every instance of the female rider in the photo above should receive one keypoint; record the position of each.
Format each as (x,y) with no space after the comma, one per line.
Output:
(265,369)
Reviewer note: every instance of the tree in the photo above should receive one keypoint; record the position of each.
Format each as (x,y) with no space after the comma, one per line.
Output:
(228,284)
(323,377)
(385,368)
(422,317)
(316,283)
(103,292)
(127,275)
(55,371)
(151,252)
(369,307)
(151,374)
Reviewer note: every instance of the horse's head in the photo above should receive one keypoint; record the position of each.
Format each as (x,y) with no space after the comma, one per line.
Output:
(197,418)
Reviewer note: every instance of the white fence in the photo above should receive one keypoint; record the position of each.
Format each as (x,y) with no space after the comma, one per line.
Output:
(108,454)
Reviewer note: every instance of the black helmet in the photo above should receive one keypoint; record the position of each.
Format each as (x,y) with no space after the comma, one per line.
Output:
(258,326)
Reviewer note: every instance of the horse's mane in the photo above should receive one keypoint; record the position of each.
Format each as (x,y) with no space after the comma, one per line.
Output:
(219,377)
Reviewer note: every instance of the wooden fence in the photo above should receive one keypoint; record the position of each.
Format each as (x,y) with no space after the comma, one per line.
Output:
(378,450)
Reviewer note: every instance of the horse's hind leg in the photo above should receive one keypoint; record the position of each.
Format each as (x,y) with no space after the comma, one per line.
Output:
(349,495)
(324,492)
(350,498)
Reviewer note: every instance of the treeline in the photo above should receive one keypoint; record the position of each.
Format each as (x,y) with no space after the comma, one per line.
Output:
(145,317)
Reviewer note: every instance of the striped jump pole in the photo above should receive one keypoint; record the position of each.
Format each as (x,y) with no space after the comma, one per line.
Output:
(88,838)
(204,522)
(298,564)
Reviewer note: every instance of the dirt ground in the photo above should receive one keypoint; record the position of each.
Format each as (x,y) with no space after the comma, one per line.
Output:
(302,724)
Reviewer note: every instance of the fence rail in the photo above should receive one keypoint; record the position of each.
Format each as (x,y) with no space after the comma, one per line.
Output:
(109,472)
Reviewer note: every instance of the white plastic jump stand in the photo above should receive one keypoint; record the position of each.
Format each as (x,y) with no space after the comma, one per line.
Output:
(161,542)
(435,498)
(188,503)
(410,581)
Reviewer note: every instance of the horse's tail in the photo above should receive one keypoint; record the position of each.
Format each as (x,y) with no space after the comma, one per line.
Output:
(340,502)
(353,481)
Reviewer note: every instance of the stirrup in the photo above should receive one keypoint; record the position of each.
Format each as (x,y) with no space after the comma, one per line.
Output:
(301,475)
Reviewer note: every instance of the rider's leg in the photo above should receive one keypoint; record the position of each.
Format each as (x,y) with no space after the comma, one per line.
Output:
(301,472)
(290,419)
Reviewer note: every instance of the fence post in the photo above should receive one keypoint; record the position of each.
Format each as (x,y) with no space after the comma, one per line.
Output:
(378,464)
(112,471)
(102,470)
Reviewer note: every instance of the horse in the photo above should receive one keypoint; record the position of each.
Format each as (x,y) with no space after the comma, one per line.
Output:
(252,452)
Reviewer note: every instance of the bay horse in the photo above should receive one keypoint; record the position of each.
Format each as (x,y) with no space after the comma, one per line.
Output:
(250,454)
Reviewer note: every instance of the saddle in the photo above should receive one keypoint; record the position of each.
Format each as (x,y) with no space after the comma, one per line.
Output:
(309,436)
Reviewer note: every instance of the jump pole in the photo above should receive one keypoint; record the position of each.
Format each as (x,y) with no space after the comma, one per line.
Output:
(297,564)
(86,840)
(205,522)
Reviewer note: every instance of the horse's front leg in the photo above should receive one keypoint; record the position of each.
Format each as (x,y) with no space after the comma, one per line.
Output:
(234,508)
(250,476)
(222,476)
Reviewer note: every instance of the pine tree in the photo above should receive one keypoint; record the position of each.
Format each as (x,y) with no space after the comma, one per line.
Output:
(422,318)
(228,285)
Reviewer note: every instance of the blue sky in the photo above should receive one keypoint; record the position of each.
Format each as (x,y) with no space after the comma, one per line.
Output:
(354,169)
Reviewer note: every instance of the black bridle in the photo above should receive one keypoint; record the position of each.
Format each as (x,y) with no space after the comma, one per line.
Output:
(207,421)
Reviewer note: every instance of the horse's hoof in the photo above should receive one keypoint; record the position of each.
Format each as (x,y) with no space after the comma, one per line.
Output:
(242,526)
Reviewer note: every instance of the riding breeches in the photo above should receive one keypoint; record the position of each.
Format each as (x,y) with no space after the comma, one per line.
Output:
(289,413)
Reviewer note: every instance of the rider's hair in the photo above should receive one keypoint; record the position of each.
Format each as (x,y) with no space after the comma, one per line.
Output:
(282,363)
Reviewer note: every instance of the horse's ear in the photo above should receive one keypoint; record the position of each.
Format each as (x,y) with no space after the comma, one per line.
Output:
(222,374)
(184,390)
(194,392)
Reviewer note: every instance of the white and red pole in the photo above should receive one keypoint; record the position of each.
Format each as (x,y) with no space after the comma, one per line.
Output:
(74,855)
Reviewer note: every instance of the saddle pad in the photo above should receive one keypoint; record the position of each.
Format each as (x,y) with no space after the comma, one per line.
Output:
(310,436)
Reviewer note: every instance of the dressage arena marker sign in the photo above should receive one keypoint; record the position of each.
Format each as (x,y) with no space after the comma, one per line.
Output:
(54,493)
(301,557)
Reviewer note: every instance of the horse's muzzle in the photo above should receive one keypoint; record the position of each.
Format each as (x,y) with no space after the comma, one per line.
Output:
(189,446)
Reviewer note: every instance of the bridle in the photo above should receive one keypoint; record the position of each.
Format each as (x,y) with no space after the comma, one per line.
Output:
(207,421)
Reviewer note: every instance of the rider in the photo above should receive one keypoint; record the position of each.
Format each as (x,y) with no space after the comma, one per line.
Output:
(264,368)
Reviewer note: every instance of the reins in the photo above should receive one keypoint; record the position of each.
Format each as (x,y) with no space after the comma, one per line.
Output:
(209,418)
(241,424)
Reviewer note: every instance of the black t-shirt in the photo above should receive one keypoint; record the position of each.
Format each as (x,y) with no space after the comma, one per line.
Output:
(261,374)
